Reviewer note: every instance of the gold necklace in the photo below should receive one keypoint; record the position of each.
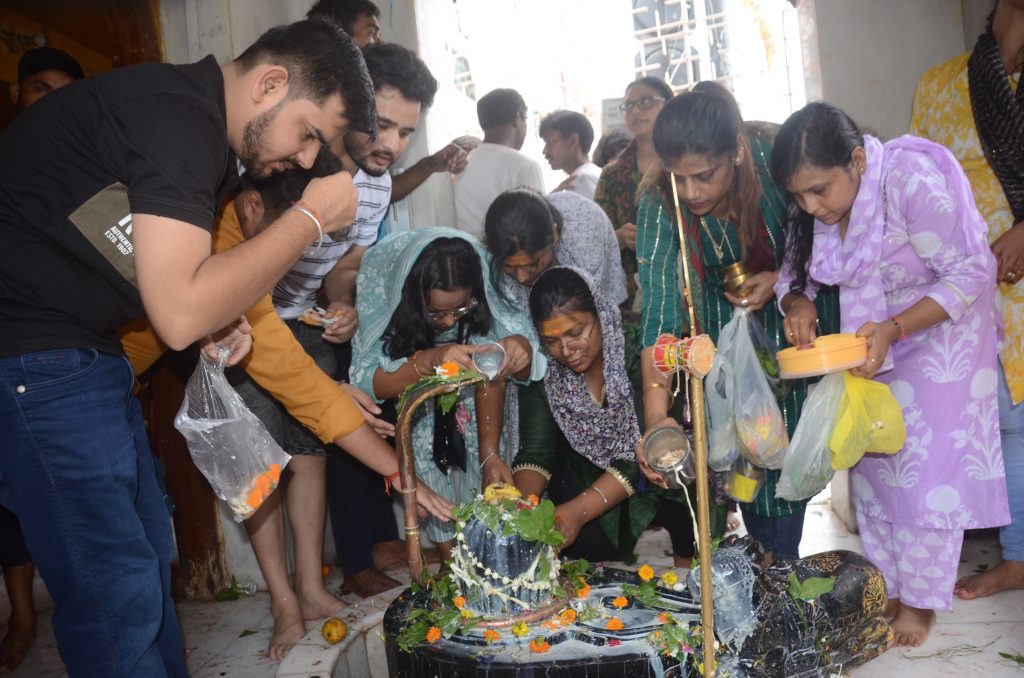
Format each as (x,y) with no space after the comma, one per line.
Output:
(719,247)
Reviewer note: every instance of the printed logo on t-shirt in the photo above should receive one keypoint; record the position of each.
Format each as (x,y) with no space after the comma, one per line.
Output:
(106,221)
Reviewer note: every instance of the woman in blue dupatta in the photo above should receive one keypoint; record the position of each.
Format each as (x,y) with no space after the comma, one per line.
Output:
(423,301)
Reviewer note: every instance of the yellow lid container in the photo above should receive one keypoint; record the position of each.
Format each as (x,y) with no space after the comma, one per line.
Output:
(828,354)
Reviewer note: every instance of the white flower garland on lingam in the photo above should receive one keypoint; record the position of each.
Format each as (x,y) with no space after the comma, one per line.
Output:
(523,581)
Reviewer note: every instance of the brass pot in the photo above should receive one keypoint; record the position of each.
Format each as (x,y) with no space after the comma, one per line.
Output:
(733,278)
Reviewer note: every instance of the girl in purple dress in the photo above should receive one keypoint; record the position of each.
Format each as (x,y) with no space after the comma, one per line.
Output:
(894,226)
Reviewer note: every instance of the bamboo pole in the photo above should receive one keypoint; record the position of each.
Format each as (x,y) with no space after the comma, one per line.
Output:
(407,467)
(701,458)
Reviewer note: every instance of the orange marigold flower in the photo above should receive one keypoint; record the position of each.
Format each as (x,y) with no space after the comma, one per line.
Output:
(614,624)
(663,617)
(551,624)
(433,634)
(646,572)
(532,499)
(459,602)
(448,369)
(583,591)
(621,602)
(567,616)
(539,645)
(491,636)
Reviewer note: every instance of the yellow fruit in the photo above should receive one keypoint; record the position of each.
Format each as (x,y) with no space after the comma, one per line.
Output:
(334,630)
(497,491)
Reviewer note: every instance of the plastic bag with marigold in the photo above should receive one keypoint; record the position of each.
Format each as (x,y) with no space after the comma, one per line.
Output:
(228,443)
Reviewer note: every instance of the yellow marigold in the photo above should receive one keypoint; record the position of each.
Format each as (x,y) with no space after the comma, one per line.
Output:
(491,636)
(614,624)
(466,614)
(539,645)
(646,572)
(669,578)
(621,602)
(533,499)
(567,616)
(433,634)
(459,602)
(448,369)
(520,629)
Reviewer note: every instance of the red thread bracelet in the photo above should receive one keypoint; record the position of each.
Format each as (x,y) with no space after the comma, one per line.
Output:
(389,480)
(900,334)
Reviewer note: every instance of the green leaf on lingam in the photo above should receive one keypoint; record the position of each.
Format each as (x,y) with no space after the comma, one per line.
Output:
(811,588)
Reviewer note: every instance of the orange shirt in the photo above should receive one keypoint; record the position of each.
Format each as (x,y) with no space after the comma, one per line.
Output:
(277,361)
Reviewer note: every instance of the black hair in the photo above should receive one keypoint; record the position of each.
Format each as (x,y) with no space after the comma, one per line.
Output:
(568,123)
(610,145)
(657,84)
(518,219)
(48,59)
(559,290)
(500,107)
(345,13)
(391,65)
(822,136)
(321,61)
(706,122)
(279,190)
(445,264)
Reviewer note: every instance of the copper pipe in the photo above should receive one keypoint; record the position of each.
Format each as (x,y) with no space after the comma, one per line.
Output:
(700,450)
(407,466)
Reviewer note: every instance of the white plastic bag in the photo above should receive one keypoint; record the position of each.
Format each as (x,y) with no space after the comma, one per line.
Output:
(228,443)
(759,424)
(723,447)
(808,465)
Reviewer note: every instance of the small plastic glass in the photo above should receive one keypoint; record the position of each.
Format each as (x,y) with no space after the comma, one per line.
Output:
(668,451)
(744,480)
(488,359)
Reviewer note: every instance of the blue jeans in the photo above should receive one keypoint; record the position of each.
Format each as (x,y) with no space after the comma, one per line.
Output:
(76,468)
(1011,427)
(779,535)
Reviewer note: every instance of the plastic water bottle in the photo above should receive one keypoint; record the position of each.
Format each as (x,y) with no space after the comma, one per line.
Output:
(249,588)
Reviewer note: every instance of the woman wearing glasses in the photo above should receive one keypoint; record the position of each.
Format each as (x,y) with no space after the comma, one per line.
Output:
(423,301)
(617,187)
(579,427)
(732,212)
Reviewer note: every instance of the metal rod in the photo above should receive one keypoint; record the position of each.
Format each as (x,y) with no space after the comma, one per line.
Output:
(700,440)
(407,467)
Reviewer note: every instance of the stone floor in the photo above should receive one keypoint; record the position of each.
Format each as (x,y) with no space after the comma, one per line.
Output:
(228,639)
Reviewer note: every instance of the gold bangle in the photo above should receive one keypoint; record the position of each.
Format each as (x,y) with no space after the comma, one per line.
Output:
(415,366)
(651,387)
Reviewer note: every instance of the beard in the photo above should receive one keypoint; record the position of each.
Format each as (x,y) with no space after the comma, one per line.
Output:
(254,142)
(359,152)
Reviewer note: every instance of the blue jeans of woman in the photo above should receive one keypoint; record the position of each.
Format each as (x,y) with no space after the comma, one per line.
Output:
(1011,428)
(77,470)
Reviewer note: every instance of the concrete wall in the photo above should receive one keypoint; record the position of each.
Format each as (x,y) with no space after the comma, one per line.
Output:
(867,56)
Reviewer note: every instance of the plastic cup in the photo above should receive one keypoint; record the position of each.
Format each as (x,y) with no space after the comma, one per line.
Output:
(488,359)
(669,453)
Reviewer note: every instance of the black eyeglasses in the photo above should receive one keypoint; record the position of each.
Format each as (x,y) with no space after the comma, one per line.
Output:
(455,313)
(643,103)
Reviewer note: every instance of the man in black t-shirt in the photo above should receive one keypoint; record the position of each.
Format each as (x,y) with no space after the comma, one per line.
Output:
(108,192)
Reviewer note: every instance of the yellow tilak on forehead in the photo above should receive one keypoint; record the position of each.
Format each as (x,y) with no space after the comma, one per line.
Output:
(560,324)
(520,259)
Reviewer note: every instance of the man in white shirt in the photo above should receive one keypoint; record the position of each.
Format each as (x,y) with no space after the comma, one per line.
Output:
(496,165)
(567,137)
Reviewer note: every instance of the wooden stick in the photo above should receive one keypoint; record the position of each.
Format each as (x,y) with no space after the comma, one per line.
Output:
(700,440)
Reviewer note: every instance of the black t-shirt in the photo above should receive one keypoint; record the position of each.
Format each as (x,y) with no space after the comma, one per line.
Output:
(147,139)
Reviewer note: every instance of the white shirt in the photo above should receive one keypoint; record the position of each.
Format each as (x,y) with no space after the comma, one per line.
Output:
(297,290)
(492,170)
(584,180)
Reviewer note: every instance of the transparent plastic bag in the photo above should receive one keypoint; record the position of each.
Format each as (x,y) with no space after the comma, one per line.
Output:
(766,348)
(808,465)
(723,445)
(759,424)
(228,443)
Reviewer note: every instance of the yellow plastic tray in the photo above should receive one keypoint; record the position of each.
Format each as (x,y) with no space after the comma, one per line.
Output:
(828,354)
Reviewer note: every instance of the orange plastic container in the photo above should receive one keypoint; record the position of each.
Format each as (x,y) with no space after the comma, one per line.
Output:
(828,354)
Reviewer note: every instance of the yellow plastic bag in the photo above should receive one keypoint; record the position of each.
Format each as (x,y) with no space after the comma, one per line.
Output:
(870,420)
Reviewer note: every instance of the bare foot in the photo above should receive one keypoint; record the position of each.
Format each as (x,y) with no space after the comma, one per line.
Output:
(389,554)
(288,630)
(732,522)
(369,582)
(21,633)
(912,625)
(891,609)
(318,603)
(681,561)
(1008,574)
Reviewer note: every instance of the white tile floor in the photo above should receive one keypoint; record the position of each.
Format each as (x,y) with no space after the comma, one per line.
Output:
(228,639)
